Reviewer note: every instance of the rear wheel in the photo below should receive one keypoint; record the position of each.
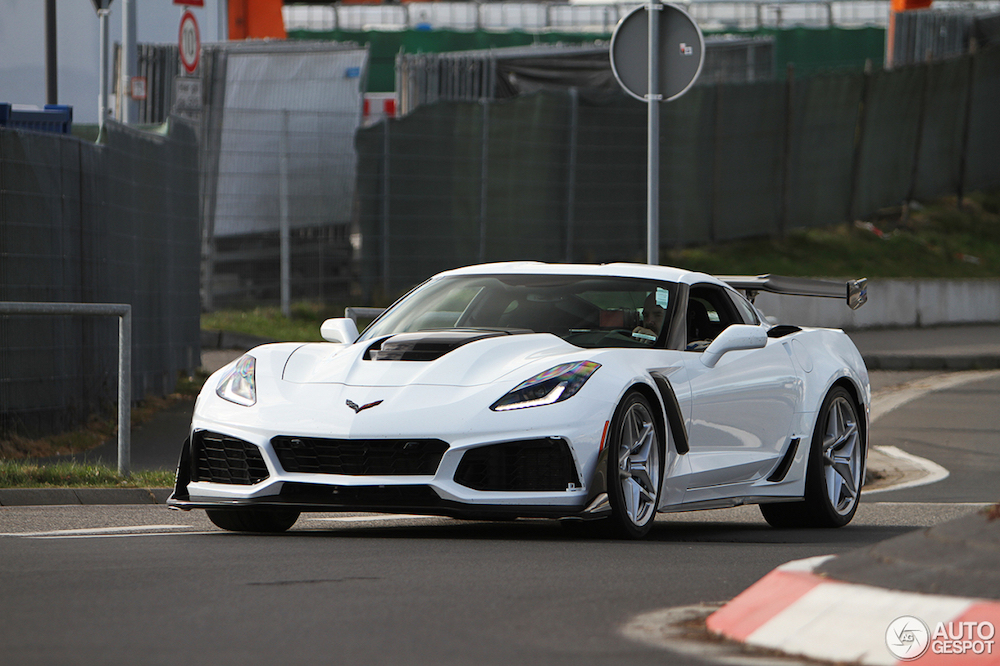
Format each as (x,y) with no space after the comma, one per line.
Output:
(833,472)
(253,520)
(635,465)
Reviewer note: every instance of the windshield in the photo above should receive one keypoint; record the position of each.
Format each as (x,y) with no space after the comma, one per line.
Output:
(583,310)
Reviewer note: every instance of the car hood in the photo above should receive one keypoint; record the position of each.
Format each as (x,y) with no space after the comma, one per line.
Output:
(474,361)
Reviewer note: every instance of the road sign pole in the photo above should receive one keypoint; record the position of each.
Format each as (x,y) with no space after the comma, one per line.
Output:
(653,135)
(102,95)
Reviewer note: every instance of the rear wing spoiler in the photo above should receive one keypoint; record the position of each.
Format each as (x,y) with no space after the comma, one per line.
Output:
(855,292)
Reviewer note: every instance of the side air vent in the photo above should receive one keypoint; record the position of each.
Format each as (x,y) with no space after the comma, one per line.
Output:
(359,457)
(531,465)
(224,459)
(782,331)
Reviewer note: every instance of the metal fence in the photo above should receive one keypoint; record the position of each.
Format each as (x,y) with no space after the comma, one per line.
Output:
(279,174)
(508,72)
(925,35)
(87,223)
(711,15)
(552,177)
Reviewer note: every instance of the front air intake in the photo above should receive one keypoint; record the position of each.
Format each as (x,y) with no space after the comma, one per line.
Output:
(529,465)
(359,457)
(224,459)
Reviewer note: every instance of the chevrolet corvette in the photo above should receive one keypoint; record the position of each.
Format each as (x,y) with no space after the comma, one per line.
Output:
(577,392)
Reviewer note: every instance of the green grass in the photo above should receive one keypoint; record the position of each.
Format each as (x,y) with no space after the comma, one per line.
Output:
(938,240)
(28,474)
(268,322)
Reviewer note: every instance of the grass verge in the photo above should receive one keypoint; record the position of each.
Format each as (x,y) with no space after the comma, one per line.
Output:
(28,474)
(99,429)
(936,240)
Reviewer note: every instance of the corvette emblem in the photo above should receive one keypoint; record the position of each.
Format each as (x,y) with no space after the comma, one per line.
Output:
(353,405)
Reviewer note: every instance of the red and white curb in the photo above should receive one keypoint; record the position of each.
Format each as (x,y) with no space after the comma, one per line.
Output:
(798,612)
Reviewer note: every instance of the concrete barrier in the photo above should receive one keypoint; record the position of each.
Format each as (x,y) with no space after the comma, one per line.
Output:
(894,304)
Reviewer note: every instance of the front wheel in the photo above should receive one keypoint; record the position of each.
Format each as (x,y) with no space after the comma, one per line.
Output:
(635,466)
(833,471)
(253,520)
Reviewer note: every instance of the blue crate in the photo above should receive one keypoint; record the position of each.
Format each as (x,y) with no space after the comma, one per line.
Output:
(56,118)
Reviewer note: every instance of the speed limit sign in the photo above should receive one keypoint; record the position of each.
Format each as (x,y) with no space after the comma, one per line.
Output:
(189,42)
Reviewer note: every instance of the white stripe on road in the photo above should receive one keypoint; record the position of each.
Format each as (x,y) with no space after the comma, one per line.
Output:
(888,399)
(98,531)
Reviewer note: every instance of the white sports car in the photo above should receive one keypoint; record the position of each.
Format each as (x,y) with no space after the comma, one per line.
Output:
(542,390)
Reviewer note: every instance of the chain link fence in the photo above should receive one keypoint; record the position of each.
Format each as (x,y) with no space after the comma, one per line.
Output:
(88,223)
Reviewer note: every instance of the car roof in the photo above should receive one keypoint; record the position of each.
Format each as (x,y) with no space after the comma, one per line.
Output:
(642,271)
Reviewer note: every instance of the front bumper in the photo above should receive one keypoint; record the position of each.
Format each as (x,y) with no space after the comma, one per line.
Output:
(537,477)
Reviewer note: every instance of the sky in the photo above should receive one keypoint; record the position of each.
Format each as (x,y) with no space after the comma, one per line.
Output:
(22,46)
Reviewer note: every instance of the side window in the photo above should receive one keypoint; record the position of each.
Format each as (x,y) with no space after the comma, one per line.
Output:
(745,310)
(709,312)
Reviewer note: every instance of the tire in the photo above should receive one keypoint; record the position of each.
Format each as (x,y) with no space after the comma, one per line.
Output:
(635,467)
(833,472)
(253,520)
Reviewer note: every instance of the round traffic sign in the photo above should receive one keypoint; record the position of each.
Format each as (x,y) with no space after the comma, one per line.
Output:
(189,42)
(681,52)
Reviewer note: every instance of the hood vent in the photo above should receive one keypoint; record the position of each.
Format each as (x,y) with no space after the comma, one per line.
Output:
(431,345)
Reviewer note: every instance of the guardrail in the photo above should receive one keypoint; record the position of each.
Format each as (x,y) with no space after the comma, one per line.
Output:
(124,313)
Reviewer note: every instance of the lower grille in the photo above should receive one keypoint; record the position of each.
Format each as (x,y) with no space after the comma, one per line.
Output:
(537,464)
(223,459)
(360,496)
(359,457)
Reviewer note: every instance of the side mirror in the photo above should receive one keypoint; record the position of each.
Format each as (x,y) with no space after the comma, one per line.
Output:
(736,337)
(343,331)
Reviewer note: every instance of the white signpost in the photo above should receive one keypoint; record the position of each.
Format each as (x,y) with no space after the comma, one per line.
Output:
(656,61)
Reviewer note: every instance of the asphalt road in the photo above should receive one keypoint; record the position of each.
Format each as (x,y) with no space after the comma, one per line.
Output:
(127,585)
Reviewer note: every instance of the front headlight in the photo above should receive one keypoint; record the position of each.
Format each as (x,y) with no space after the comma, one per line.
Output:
(238,385)
(549,387)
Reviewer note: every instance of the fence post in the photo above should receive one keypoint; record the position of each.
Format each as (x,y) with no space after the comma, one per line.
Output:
(484,177)
(859,138)
(964,157)
(574,119)
(918,144)
(786,175)
(385,205)
(283,222)
(125,392)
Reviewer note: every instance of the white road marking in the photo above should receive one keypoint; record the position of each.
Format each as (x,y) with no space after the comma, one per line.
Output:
(932,471)
(887,400)
(98,531)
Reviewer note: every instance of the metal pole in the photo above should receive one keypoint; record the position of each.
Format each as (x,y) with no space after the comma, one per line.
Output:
(129,62)
(124,312)
(574,121)
(51,53)
(125,393)
(102,94)
(385,205)
(653,136)
(286,307)
(484,178)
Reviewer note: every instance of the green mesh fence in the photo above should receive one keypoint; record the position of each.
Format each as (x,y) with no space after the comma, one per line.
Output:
(554,178)
(811,50)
